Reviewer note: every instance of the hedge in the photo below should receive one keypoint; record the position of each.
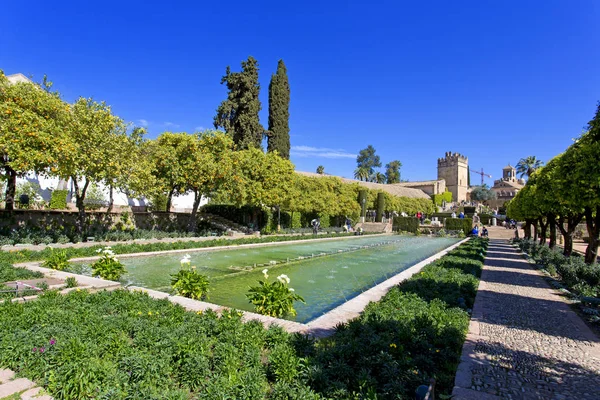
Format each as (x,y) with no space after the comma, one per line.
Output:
(456,224)
(58,199)
(438,199)
(406,224)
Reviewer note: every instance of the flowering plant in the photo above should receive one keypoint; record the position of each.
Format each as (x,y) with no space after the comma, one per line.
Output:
(189,283)
(108,267)
(275,299)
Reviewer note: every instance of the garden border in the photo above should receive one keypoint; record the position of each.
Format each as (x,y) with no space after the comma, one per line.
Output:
(322,326)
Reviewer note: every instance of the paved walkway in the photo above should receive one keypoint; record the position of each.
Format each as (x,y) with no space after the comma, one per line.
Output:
(524,341)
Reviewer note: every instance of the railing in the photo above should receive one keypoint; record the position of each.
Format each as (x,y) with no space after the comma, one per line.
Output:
(19,287)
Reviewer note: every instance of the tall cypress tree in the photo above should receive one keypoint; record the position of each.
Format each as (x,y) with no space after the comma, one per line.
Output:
(279,112)
(238,115)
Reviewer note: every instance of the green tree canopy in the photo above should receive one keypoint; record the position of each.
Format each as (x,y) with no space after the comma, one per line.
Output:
(279,112)
(367,160)
(320,170)
(527,166)
(482,193)
(392,171)
(238,114)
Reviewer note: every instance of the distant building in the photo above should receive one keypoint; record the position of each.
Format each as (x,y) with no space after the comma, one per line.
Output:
(507,187)
(18,78)
(454,170)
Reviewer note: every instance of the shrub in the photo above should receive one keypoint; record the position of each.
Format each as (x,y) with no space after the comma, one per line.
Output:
(275,299)
(456,224)
(189,283)
(71,282)
(438,199)
(58,260)
(58,199)
(108,267)
(406,224)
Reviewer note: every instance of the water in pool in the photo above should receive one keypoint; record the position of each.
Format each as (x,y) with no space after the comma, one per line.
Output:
(350,267)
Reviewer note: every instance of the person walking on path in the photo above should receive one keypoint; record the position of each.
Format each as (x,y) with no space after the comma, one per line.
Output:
(524,341)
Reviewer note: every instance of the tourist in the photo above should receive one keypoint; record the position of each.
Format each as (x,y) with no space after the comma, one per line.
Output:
(348,224)
(475,231)
(453,214)
(316,223)
(484,232)
(461,215)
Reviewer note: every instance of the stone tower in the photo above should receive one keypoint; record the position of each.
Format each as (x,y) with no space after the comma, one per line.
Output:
(454,169)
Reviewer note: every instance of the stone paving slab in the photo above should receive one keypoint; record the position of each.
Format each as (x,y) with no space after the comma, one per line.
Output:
(524,341)
(6,375)
(16,386)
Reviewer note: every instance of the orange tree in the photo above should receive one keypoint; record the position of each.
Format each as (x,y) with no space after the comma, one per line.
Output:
(32,132)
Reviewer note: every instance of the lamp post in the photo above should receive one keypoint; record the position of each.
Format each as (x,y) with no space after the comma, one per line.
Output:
(364,211)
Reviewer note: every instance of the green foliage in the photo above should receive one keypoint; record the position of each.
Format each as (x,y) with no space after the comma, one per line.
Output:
(459,224)
(119,344)
(10,273)
(482,193)
(275,299)
(406,224)
(296,220)
(279,112)
(238,114)
(191,284)
(380,206)
(57,260)
(58,199)
(438,199)
(108,267)
(71,282)
(528,165)
(320,170)
(392,171)
(367,161)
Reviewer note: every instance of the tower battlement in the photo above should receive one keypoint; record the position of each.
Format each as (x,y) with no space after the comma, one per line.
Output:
(454,169)
(452,159)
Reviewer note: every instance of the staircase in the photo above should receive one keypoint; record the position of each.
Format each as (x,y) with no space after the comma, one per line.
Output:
(224,224)
(375,227)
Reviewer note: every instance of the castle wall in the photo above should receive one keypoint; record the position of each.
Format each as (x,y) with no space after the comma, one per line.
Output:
(454,169)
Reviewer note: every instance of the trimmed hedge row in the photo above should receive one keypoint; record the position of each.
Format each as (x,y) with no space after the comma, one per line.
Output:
(406,224)
(438,199)
(58,199)
(457,224)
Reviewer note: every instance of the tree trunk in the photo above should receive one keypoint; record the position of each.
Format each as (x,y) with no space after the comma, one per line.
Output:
(593,228)
(192,220)
(111,199)
(572,222)
(552,222)
(535,231)
(527,229)
(79,198)
(169,198)
(543,230)
(11,188)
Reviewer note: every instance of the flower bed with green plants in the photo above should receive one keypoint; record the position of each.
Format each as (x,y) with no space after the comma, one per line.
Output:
(122,345)
(9,273)
(581,278)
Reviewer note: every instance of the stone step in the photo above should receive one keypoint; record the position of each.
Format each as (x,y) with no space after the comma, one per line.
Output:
(31,393)
(6,375)
(16,386)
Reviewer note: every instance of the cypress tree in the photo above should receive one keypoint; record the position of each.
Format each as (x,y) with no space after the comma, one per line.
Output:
(279,112)
(238,114)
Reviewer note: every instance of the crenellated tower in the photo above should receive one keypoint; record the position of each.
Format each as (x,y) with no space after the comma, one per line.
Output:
(454,169)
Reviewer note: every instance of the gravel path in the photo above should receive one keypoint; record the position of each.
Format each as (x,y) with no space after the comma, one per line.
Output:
(524,341)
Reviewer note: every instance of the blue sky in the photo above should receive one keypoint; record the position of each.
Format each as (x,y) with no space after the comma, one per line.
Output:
(493,80)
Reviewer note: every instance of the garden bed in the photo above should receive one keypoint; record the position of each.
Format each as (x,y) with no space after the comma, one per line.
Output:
(121,344)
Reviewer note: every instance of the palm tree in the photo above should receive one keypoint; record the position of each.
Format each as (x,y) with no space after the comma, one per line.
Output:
(527,166)
(361,173)
(320,170)
(379,177)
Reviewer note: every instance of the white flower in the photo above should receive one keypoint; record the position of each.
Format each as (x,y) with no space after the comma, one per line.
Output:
(108,248)
(186,260)
(264,271)
(283,278)
(291,289)
(99,251)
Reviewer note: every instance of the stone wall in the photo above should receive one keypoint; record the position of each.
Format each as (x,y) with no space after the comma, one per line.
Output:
(53,219)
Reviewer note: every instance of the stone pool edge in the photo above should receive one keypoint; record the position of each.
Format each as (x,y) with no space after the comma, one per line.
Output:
(322,326)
